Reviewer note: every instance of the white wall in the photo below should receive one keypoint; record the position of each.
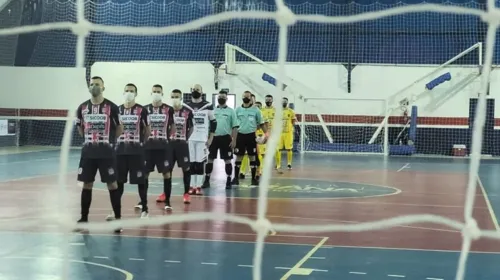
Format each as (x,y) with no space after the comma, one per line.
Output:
(370,85)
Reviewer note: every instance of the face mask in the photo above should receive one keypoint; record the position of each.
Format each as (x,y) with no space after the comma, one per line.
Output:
(95,90)
(176,102)
(156,97)
(196,94)
(221,101)
(284,105)
(246,100)
(268,104)
(128,96)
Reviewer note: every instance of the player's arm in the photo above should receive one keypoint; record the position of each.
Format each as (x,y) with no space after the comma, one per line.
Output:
(145,123)
(79,120)
(213,124)
(235,125)
(115,118)
(293,117)
(190,124)
(170,125)
(260,121)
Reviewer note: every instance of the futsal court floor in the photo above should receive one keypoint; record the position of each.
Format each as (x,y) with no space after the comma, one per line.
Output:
(321,189)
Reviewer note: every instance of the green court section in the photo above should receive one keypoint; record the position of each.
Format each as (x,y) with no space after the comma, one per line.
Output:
(288,188)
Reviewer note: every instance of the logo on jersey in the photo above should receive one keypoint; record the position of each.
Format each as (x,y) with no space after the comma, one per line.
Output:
(129,118)
(157,118)
(95,118)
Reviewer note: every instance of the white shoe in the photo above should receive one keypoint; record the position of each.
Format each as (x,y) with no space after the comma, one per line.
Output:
(138,206)
(144,215)
(110,217)
(168,208)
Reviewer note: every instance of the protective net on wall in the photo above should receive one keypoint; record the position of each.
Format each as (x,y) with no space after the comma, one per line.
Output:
(286,21)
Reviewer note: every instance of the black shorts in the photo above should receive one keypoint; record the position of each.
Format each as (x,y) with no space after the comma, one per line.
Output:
(246,143)
(221,143)
(178,152)
(131,165)
(88,169)
(157,158)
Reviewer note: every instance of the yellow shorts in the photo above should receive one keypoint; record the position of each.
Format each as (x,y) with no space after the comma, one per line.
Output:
(261,149)
(286,141)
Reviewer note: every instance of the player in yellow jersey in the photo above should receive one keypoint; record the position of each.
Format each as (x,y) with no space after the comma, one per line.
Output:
(286,139)
(261,147)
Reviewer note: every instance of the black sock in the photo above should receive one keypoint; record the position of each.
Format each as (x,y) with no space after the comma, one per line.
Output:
(167,189)
(229,169)
(86,200)
(237,168)
(143,194)
(121,188)
(209,168)
(253,169)
(186,177)
(116,202)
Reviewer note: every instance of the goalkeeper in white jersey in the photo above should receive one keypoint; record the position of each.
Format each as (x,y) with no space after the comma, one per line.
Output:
(203,133)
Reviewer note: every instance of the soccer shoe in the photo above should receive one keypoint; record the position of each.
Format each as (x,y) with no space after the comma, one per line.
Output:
(242,176)
(118,230)
(191,190)
(138,206)
(197,191)
(187,198)
(235,182)
(144,215)
(289,167)
(168,208)
(255,182)
(77,229)
(110,217)
(161,198)
(228,183)
(206,184)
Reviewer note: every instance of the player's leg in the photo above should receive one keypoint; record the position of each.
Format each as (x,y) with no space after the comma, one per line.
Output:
(261,151)
(199,165)
(193,167)
(288,144)
(212,154)
(251,148)
(107,171)
(244,166)
(166,169)
(182,157)
(137,173)
(281,144)
(86,174)
(226,154)
(122,172)
(239,151)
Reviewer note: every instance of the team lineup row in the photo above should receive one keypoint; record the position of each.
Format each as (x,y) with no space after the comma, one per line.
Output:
(130,141)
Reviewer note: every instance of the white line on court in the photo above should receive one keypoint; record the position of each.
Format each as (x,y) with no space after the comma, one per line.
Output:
(494,218)
(357,272)
(430,278)
(313,269)
(297,267)
(396,275)
(100,257)
(134,259)
(206,263)
(407,165)
(170,261)
(245,265)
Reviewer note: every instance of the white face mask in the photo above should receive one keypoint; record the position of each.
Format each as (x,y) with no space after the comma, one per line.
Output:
(128,96)
(176,102)
(156,97)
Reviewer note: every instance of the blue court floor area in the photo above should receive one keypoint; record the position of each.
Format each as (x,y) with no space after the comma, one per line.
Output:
(39,256)
(27,256)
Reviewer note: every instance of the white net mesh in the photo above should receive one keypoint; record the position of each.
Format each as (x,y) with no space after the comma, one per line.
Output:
(71,32)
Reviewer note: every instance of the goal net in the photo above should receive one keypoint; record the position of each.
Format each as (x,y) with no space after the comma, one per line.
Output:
(74,35)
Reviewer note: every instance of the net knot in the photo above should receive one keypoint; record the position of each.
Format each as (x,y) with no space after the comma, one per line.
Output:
(262,225)
(492,17)
(472,230)
(285,16)
(82,28)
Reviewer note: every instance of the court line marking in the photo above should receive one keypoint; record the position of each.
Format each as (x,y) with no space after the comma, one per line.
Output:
(357,272)
(493,216)
(245,265)
(101,257)
(206,263)
(396,275)
(303,270)
(251,242)
(430,278)
(134,259)
(296,268)
(172,261)
(407,165)
(318,258)
(128,275)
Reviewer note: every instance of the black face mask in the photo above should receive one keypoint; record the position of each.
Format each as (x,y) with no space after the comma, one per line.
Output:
(246,100)
(268,104)
(196,94)
(221,101)
(284,105)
